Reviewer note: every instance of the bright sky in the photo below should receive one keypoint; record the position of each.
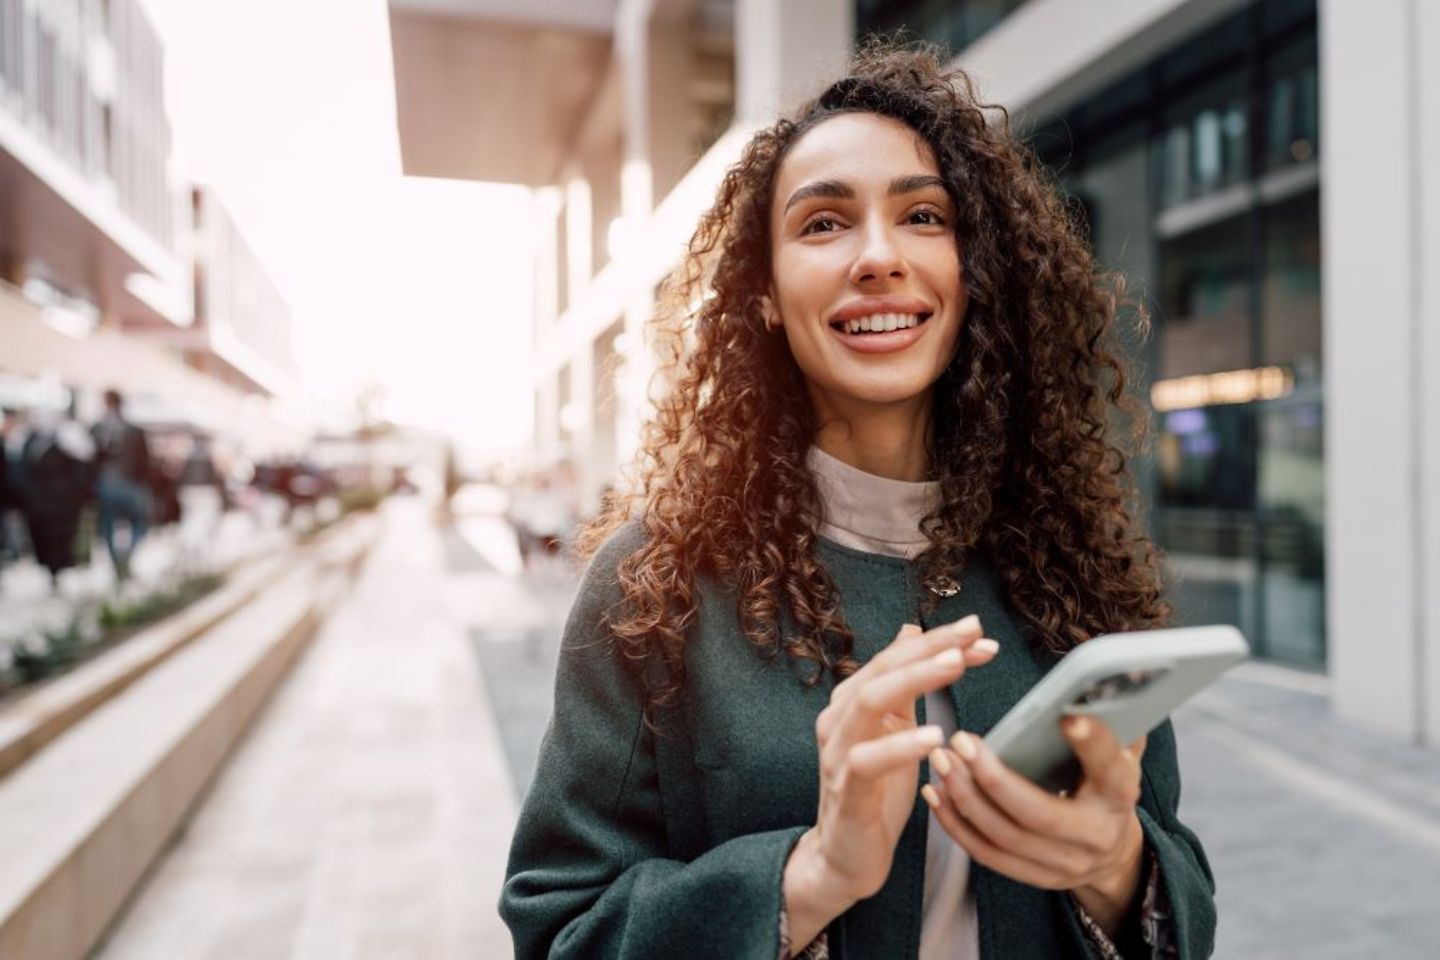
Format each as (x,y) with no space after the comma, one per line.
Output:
(287,109)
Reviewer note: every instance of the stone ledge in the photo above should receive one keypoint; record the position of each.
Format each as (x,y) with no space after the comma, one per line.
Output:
(31,723)
(82,821)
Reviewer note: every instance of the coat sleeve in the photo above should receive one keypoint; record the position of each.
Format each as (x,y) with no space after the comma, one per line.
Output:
(590,873)
(1188,883)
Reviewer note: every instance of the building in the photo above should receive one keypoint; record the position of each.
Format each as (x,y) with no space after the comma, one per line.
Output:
(240,334)
(103,255)
(1265,172)
(89,225)
(624,147)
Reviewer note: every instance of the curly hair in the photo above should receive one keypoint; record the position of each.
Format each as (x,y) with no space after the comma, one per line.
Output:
(1021,439)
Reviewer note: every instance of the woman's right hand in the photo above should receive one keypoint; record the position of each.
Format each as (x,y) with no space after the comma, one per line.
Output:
(870,749)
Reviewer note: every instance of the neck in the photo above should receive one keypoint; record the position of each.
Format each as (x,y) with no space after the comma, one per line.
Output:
(888,440)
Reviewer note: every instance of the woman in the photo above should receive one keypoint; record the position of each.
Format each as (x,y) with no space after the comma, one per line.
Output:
(891,429)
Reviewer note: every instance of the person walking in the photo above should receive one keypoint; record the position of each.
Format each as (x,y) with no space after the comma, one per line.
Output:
(881,498)
(55,470)
(202,501)
(122,483)
(9,487)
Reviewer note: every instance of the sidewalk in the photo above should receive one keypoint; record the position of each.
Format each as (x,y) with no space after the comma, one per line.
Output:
(369,812)
(1325,839)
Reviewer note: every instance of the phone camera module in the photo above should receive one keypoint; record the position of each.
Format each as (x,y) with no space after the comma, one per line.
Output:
(1117,685)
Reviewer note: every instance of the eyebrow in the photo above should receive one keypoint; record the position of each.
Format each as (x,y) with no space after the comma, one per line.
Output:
(839,190)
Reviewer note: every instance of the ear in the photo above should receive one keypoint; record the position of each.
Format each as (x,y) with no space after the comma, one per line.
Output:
(769,314)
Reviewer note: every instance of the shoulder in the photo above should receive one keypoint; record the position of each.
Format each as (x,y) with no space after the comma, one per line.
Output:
(623,541)
(600,582)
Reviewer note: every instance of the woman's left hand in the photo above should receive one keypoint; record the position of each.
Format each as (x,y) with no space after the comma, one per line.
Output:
(1090,843)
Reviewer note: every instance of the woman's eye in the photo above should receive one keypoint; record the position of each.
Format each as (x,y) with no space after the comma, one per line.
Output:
(928,218)
(819,225)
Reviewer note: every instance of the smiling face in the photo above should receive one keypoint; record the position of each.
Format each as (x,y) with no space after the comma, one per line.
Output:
(866,266)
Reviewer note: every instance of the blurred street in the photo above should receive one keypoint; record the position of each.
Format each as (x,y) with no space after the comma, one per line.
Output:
(369,812)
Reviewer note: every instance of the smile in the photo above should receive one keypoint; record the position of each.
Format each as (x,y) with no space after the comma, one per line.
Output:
(880,323)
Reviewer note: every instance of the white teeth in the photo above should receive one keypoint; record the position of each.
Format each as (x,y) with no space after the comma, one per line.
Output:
(882,322)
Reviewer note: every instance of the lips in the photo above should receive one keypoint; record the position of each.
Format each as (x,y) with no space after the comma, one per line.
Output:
(880,306)
(881,324)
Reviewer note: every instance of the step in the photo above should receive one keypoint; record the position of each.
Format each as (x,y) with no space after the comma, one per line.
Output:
(83,820)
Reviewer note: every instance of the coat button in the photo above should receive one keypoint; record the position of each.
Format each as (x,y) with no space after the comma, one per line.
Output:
(945,587)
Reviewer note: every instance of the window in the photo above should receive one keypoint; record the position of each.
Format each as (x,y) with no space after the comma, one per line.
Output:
(1197,176)
(1204,326)
(1206,143)
(11,66)
(953,23)
(1292,106)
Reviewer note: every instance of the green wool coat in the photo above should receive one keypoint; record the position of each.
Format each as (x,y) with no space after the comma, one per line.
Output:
(632,845)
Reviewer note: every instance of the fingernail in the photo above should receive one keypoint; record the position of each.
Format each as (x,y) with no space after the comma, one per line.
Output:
(1080,728)
(940,762)
(967,625)
(985,646)
(930,735)
(949,658)
(963,745)
(931,797)
(910,628)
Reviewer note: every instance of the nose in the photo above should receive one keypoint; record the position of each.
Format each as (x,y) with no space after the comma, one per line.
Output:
(879,257)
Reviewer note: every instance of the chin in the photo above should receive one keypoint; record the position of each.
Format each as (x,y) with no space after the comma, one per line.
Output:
(893,391)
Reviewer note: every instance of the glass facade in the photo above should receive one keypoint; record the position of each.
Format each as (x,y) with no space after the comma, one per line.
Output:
(1199,176)
(953,23)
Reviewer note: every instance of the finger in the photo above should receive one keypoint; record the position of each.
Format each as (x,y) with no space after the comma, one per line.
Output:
(998,828)
(984,852)
(872,759)
(1028,805)
(910,645)
(898,689)
(1109,770)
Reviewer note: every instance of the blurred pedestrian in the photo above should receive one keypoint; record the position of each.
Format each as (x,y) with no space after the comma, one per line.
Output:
(9,488)
(55,470)
(202,501)
(123,483)
(890,434)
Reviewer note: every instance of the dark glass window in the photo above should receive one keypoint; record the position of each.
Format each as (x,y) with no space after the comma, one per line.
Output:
(1204,323)
(1290,328)
(1292,106)
(1197,176)
(1205,143)
(954,23)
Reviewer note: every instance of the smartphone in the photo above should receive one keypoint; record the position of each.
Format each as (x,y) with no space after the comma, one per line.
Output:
(1132,681)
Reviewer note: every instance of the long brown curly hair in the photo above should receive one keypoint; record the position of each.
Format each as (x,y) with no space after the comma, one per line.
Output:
(1021,438)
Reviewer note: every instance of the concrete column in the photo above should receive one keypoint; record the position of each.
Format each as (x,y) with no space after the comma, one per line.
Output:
(786,52)
(546,258)
(578,214)
(582,428)
(1425,56)
(632,47)
(1380,209)
(547,419)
